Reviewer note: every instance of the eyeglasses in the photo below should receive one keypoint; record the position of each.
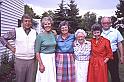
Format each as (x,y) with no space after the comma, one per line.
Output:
(106,22)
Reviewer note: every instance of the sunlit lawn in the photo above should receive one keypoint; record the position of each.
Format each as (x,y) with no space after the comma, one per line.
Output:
(121,72)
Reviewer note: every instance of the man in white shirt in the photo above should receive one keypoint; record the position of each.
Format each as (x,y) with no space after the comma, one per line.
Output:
(24,38)
(116,44)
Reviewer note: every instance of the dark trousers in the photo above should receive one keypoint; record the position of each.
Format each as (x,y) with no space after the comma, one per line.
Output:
(113,67)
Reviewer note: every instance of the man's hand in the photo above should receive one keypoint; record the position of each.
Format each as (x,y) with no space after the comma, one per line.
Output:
(122,59)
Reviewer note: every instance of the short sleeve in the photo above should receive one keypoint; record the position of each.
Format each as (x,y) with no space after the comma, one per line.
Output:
(37,44)
(119,37)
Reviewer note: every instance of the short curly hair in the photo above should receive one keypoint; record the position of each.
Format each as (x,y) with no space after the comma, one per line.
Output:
(63,23)
(46,19)
(96,27)
(26,16)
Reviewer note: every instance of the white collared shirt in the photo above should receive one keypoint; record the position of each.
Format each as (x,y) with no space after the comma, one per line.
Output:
(114,36)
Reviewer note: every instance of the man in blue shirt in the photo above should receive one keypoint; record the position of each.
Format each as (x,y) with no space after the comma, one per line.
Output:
(116,43)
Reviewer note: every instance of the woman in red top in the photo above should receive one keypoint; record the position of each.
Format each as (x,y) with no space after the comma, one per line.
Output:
(101,52)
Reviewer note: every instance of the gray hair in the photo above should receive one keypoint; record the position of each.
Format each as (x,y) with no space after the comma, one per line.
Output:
(26,16)
(103,18)
(63,23)
(80,31)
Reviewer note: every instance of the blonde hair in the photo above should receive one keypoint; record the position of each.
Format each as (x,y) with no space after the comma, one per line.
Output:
(46,19)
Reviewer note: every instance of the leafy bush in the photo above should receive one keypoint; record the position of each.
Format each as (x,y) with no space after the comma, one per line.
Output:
(7,73)
(89,35)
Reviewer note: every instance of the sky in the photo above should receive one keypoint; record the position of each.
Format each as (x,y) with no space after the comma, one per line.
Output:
(100,7)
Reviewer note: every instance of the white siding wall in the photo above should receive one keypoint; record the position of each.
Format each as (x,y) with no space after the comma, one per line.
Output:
(11,11)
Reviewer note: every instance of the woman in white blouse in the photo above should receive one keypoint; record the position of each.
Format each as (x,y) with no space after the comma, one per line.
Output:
(82,50)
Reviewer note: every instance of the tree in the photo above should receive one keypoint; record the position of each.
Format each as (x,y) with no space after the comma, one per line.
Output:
(68,12)
(60,14)
(89,19)
(48,13)
(73,15)
(120,9)
(99,19)
(114,21)
(29,10)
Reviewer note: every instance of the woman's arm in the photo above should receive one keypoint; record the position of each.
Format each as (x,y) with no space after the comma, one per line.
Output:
(37,49)
(41,66)
(109,54)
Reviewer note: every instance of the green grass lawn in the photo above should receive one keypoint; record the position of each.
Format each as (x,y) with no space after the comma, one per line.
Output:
(121,70)
(121,73)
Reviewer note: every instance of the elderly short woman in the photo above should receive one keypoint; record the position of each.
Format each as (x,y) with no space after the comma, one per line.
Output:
(82,49)
(45,53)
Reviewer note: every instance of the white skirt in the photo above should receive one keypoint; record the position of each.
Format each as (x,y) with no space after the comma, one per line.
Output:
(81,70)
(49,75)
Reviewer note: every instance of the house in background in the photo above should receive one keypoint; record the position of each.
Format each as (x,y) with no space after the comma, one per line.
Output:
(11,12)
(36,24)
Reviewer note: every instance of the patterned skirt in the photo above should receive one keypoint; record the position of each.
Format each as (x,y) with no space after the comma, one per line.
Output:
(65,67)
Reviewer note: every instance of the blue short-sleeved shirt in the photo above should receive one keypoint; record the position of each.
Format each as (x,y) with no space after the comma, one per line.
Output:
(114,36)
(65,46)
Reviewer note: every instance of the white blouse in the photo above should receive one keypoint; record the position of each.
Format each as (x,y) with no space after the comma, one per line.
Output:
(82,52)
